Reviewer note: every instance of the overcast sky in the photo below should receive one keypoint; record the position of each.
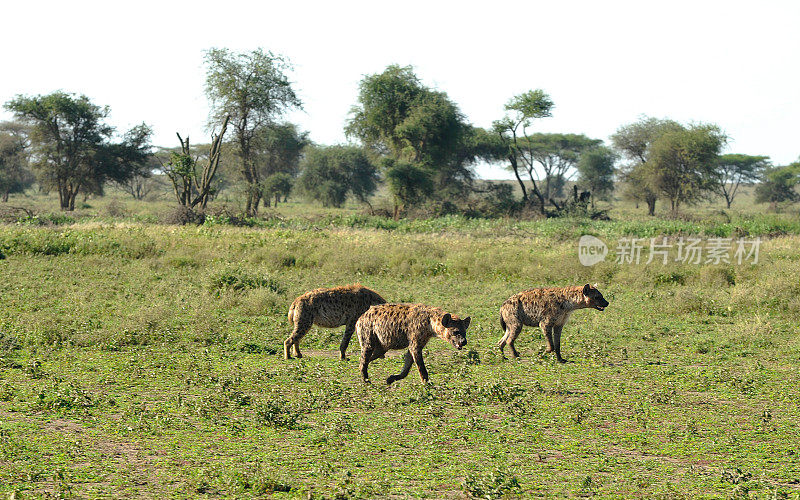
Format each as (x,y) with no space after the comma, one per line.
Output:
(604,63)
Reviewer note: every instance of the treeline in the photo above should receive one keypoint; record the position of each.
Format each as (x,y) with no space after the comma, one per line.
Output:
(407,136)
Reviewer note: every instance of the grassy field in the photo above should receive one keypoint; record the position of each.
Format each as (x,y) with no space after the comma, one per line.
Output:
(144,360)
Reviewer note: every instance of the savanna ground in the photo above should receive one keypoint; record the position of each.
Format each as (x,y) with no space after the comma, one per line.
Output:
(144,360)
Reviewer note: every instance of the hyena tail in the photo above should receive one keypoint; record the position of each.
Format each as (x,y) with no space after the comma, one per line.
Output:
(505,333)
(291,313)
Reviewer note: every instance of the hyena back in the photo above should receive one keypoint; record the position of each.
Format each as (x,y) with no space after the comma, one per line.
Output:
(329,308)
(406,326)
(548,308)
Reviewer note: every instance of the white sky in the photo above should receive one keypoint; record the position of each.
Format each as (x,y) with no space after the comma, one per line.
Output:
(604,63)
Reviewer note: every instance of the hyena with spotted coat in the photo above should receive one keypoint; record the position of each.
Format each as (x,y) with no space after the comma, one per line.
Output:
(329,308)
(548,308)
(399,326)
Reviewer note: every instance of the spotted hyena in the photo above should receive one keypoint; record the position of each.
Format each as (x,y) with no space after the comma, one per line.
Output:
(330,308)
(549,308)
(400,326)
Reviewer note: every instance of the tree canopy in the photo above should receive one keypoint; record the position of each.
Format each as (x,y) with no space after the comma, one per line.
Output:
(400,119)
(779,184)
(331,173)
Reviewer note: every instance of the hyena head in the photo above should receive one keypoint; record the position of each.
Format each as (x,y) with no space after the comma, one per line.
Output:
(594,298)
(455,330)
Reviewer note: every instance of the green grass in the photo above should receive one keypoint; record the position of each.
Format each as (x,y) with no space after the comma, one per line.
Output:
(145,360)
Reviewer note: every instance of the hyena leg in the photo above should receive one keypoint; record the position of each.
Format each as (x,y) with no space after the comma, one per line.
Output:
(348,333)
(408,361)
(557,343)
(548,336)
(416,354)
(366,357)
(512,332)
(301,327)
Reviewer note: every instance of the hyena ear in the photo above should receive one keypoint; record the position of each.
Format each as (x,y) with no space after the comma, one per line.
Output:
(586,288)
(465,322)
(446,320)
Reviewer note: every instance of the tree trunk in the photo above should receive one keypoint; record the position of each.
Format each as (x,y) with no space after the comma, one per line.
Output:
(519,179)
(651,206)
(537,192)
(63,201)
(541,200)
(73,195)
(64,198)
(5,196)
(254,198)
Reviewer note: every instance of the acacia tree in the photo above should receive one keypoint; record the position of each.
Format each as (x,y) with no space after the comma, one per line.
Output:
(71,144)
(331,173)
(277,185)
(14,146)
(556,154)
(778,184)
(735,169)
(633,142)
(512,130)
(142,183)
(384,102)
(434,133)
(415,129)
(277,152)
(121,161)
(596,171)
(683,162)
(253,89)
